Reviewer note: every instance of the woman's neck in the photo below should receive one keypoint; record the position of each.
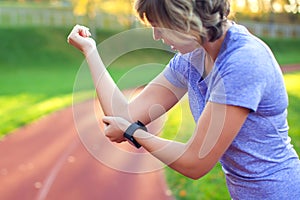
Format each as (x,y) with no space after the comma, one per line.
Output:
(208,65)
(213,48)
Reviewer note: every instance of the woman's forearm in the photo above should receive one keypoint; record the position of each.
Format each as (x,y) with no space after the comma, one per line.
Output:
(112,100)
(178,156)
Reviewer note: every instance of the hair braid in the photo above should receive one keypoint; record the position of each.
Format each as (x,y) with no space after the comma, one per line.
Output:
(213,14)
(203,19)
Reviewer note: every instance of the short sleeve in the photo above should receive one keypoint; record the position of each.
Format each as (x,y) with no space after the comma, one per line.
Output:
(240,85)
(177,71)
(182,67)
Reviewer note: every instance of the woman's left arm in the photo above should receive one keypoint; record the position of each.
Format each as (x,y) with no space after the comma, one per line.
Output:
(216,129)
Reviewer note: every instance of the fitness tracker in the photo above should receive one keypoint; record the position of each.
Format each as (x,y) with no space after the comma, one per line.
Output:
(130,131)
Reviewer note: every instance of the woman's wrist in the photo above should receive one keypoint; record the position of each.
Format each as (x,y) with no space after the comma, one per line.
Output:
(88,50)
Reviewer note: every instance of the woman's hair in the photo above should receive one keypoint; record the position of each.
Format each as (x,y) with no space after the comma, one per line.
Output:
(201,18)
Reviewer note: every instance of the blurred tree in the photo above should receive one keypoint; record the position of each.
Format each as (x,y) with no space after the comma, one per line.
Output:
(85,7)
(123,9)
(258,8)
(293,8)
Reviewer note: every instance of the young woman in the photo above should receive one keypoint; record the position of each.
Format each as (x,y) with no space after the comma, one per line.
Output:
(236,92)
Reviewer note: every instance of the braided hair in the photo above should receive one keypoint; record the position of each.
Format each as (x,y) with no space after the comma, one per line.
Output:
(213,14)
(203,19)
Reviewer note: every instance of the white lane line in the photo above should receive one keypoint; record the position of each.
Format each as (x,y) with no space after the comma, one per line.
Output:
(48,182)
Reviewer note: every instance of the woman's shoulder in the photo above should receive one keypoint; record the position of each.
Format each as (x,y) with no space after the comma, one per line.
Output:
(241,41)
(183,62)
(241,48)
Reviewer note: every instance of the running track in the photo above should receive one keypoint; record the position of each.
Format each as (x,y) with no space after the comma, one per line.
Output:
(47,160)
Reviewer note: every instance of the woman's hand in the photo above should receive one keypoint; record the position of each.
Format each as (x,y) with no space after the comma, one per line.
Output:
(80,37)
(115,128)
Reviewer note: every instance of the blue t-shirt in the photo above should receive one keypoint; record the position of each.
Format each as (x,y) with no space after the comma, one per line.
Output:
(260,163)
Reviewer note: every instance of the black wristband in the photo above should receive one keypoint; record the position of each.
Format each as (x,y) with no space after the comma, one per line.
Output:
(130,131)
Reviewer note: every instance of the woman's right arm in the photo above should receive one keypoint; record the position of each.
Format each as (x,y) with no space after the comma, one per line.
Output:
(152,102)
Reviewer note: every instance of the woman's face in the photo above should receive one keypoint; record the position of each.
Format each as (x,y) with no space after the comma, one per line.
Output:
(183,43)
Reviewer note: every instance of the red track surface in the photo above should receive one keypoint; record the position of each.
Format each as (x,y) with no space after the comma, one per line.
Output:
(290,68)
(47,160)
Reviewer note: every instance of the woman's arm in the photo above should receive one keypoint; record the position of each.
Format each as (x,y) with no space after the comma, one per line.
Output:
(216,129)
(158,97)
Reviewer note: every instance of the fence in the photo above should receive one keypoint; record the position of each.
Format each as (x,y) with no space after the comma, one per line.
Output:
(13,17)
(64,17)
(273,30)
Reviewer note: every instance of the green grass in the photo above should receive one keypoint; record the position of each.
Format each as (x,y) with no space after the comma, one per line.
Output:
(38,70)
(37,74)
(292,81)
(286,51)
(211,186)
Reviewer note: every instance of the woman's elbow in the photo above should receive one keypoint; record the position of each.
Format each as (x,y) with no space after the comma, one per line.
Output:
(195,175)
(195,172)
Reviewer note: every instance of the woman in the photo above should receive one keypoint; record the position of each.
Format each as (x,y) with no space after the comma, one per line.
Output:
(236,92)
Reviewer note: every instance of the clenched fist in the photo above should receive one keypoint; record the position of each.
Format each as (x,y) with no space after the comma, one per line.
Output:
(80,37)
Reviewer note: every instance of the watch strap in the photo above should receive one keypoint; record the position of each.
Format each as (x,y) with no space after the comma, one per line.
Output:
(130,131)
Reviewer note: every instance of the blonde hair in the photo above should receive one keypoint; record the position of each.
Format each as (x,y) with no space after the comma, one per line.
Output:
(203,19)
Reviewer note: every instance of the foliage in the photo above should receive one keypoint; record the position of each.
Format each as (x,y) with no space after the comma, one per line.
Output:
(265,6)
(255,9)
(280,11)
(121,8)
(86,7)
